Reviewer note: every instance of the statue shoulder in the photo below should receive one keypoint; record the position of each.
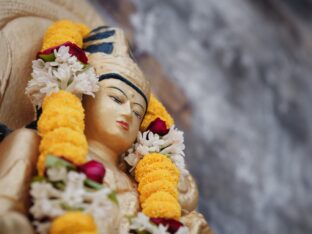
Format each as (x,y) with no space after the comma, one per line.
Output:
(19,142)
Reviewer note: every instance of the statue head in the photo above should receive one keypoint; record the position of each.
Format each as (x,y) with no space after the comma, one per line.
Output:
(114,116)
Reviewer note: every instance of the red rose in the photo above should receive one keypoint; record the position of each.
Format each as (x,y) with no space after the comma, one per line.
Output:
(74,50)
(158,126)
(173,225)
(94,170)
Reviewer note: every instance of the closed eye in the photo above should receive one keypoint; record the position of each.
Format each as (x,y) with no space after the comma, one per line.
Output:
(137,115)
(115,99)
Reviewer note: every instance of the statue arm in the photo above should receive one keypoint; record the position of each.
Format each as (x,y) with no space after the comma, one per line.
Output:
(18,156)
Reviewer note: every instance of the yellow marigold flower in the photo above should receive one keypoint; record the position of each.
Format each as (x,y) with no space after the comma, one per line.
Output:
(63,135)
(152,162)
(62,98)
(159,174)
(163,209)
(75,154)
(156,110)
(159,196)
(73,222)
(84,30)
(60,116)
(159,185)
(59,39)
(63,31)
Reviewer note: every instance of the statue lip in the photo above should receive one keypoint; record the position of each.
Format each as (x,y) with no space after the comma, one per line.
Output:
(123,124)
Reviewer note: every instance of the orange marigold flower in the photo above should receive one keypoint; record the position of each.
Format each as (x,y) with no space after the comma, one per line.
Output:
(77,155)
(152,162)
(159,196)
(60,116)
(62,31)
(84,30)
(159,185)
(158,174)
(163,209)
(63,135)
(156,110)
(73,222)
(62,98)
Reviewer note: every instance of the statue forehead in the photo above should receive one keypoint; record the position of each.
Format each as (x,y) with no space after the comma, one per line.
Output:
(131,93)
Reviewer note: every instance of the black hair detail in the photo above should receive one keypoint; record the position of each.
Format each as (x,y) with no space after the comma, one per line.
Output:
(99,28)
(106,47)
(119,77)
(4,131)
(100,35)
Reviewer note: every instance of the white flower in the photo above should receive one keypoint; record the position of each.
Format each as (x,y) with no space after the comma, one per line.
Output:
(43,190)
(183,230)
(62,54)
(65,73)
(101,208)
(141,222)
(85,82)
(74,190)
(46,208)
(161,230)
(57,174)
(171,144)
(42,227)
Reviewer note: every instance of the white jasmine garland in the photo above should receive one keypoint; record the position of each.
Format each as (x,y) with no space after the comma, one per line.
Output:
(171,144)
(142,223)
(65,73)
(48,202)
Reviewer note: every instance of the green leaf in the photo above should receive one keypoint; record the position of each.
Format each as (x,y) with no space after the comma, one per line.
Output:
(113,197)
(52,161)
(59,185)
(92,184)
(47,57)
(70,208)
(38,179)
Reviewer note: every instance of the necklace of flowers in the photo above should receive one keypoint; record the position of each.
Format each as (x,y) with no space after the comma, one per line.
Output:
(158,139)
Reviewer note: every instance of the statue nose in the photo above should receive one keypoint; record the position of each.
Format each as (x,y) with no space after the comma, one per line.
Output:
(127,111)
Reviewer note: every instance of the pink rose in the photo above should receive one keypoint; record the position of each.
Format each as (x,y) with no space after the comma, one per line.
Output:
(94,170)
(158,126)
(74,50)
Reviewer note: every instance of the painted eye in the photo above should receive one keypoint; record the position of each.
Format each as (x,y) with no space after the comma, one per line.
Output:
(115,99)
(137,115)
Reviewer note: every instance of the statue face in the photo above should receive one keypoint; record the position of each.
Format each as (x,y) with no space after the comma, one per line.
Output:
(115,114)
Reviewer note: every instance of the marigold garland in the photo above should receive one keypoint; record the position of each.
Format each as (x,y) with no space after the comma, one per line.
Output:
(60,116)
(76,155)
(61,127)
(158,178)
(63,31)
(159,174)
(156,209)
(61,135)
(62,98)
(144,168)
(155,110)
(160,196)
(159,185)
(73,222)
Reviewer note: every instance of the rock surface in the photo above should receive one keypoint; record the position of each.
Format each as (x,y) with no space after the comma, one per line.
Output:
(245,68)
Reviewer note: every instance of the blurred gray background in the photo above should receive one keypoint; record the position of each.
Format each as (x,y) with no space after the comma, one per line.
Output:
(236,75)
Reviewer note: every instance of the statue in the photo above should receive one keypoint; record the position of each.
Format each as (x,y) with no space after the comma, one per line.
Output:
(112,122)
